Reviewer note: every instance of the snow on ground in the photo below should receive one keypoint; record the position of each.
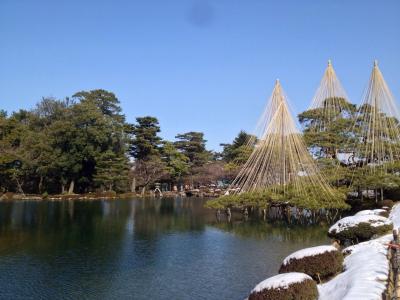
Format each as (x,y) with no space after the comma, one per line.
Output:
(395,215)
(365,274)
(280,281)
(370,212)
(308,252)
(366,268)
(351,221)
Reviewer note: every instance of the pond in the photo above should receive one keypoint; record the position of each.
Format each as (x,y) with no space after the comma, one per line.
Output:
(138,249)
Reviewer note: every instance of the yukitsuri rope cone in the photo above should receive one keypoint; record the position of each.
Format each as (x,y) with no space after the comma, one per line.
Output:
(330,99)
(376,128)
(329,114)
(280,162)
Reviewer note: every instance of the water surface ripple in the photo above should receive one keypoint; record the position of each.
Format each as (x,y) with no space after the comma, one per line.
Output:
(138,249)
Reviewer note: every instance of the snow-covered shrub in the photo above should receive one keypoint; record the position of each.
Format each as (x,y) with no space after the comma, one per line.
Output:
(284,287)
(360,228)
(366,273)
(378,212)
(319,262)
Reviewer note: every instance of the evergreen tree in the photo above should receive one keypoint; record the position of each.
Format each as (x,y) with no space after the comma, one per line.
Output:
(326,134)
(111,171)
(237,153)
(57,146)
(193,145)
(177,162)
(146,141)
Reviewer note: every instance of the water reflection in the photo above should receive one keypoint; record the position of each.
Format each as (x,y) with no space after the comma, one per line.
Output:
(279,231)
(142,249)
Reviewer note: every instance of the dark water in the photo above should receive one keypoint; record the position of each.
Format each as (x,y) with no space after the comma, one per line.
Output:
(137,249)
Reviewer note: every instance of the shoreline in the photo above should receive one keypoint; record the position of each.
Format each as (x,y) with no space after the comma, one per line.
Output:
(369,268)
(100,196)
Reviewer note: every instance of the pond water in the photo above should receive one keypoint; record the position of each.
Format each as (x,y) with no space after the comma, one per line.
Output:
(138,249)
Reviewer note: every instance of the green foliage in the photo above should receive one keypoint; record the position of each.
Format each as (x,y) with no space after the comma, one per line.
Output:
(193,145)
(63,143)
(177,162)
(83,144)
(145,141)
(310,198)
(239,151)
(319,266)
(111,171)
(376,134)
(326,128)
(105,101)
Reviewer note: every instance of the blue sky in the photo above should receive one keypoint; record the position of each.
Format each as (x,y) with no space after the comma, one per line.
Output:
(197,65)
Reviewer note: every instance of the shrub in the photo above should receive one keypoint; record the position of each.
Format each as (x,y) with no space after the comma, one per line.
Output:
(286,286)
(277,195)
(7,196)
(318,262)
(387,203)
(378,212)
(360,228)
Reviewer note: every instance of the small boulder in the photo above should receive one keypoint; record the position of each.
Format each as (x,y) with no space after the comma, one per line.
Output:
(286,286)
(319,262)
(378,212)
(360,228)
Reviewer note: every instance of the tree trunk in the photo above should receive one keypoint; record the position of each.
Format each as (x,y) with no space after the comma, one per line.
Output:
(40,186)
(362,196)
(143,190)
(71,187)
(62,188)
(19,185)
(381,194)
(133,185)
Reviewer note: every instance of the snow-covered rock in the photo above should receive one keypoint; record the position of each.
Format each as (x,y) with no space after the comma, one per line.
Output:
(285,286)
(309,252)
(360,228)
(365,276)
(319,262)
(281,281)
(352,221)
(377,212)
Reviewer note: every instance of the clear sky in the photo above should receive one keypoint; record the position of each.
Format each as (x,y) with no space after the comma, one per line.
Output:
(197,65)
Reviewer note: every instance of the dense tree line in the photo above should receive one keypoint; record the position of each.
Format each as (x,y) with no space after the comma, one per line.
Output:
(84,143)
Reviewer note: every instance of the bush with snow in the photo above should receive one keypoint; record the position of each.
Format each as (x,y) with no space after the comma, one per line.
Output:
(284,287)
(360,227)
(365,276)
(378,212)
(319,262)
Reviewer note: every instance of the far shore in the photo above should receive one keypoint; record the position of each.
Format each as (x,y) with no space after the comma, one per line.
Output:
(109,195)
